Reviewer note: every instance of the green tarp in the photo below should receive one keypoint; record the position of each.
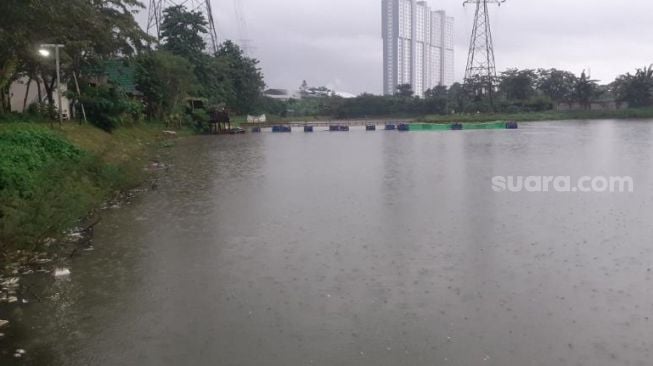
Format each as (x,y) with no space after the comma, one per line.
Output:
(429,127)
(447,126)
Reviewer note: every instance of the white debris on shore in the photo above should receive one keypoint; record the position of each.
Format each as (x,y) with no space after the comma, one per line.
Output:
(61,272)
(8,289)
(3,323)
(10,283)
(19,353)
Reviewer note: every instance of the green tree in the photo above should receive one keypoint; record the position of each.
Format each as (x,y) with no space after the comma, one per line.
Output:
(165,81)
(439,91)
(518,84)
(404,90)
(213,73)
(458,97)
(585,89)
(182,33)
(436,100)
(635,89)
(481,88)
(90,30)
(227,77)
(556,84)
(245,77)
(107,106)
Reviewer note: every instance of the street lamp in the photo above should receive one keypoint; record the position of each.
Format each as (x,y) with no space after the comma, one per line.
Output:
(45,52)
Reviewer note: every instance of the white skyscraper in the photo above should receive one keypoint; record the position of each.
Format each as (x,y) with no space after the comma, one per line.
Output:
(417,46)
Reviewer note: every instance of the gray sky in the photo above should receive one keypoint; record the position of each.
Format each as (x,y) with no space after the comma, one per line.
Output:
(338,42)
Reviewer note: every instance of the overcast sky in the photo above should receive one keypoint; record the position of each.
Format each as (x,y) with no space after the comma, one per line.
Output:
(338,43)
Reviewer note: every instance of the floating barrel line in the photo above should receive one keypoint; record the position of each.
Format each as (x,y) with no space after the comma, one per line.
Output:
(499,125)
(281,129)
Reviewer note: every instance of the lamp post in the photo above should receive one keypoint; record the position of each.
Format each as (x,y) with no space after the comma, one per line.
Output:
(45,52)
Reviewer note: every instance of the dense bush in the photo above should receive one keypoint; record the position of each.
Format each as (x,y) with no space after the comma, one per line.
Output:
(26,151)
(107,107)
(46,184)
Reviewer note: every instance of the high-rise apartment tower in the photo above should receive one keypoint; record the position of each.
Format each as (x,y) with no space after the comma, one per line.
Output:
(417,46)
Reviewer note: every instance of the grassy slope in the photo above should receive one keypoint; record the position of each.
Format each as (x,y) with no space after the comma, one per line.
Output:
(67,191)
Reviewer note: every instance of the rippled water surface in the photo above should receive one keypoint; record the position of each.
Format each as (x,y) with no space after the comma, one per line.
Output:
(367,248)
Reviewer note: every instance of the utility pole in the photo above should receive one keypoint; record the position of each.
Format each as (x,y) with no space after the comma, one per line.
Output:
(481,65)
(44,51)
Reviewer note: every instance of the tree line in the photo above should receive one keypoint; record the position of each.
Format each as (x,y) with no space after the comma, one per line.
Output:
(513,91)
(166,73)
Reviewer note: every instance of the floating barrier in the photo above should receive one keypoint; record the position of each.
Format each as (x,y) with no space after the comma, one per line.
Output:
(429,127)
(281,129)
(512,125)
(256,129)
(499,125)
(339,128)
(485,126)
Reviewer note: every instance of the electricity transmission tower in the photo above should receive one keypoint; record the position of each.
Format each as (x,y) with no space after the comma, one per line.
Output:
(155,18)
(245,42)
(480,62)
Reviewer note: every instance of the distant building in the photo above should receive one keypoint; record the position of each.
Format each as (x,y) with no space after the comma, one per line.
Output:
(306,92)
(281,94)
(25,92)
(417,46)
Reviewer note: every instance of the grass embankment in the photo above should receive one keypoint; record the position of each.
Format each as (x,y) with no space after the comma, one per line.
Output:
(50,178)
(541,116)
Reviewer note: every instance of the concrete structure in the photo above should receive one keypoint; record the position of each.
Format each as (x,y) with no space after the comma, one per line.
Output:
(18,91)
(417,46)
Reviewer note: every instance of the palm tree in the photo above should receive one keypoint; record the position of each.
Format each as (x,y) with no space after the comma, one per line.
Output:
(585,90)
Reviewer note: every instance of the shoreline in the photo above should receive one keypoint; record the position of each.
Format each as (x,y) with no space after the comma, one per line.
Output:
(631,113)
(131,153)
(52,257)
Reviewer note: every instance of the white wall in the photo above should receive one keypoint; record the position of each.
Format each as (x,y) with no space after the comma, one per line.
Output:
(17,94)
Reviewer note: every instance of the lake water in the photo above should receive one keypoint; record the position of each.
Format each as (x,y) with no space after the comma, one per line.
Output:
(366,248)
